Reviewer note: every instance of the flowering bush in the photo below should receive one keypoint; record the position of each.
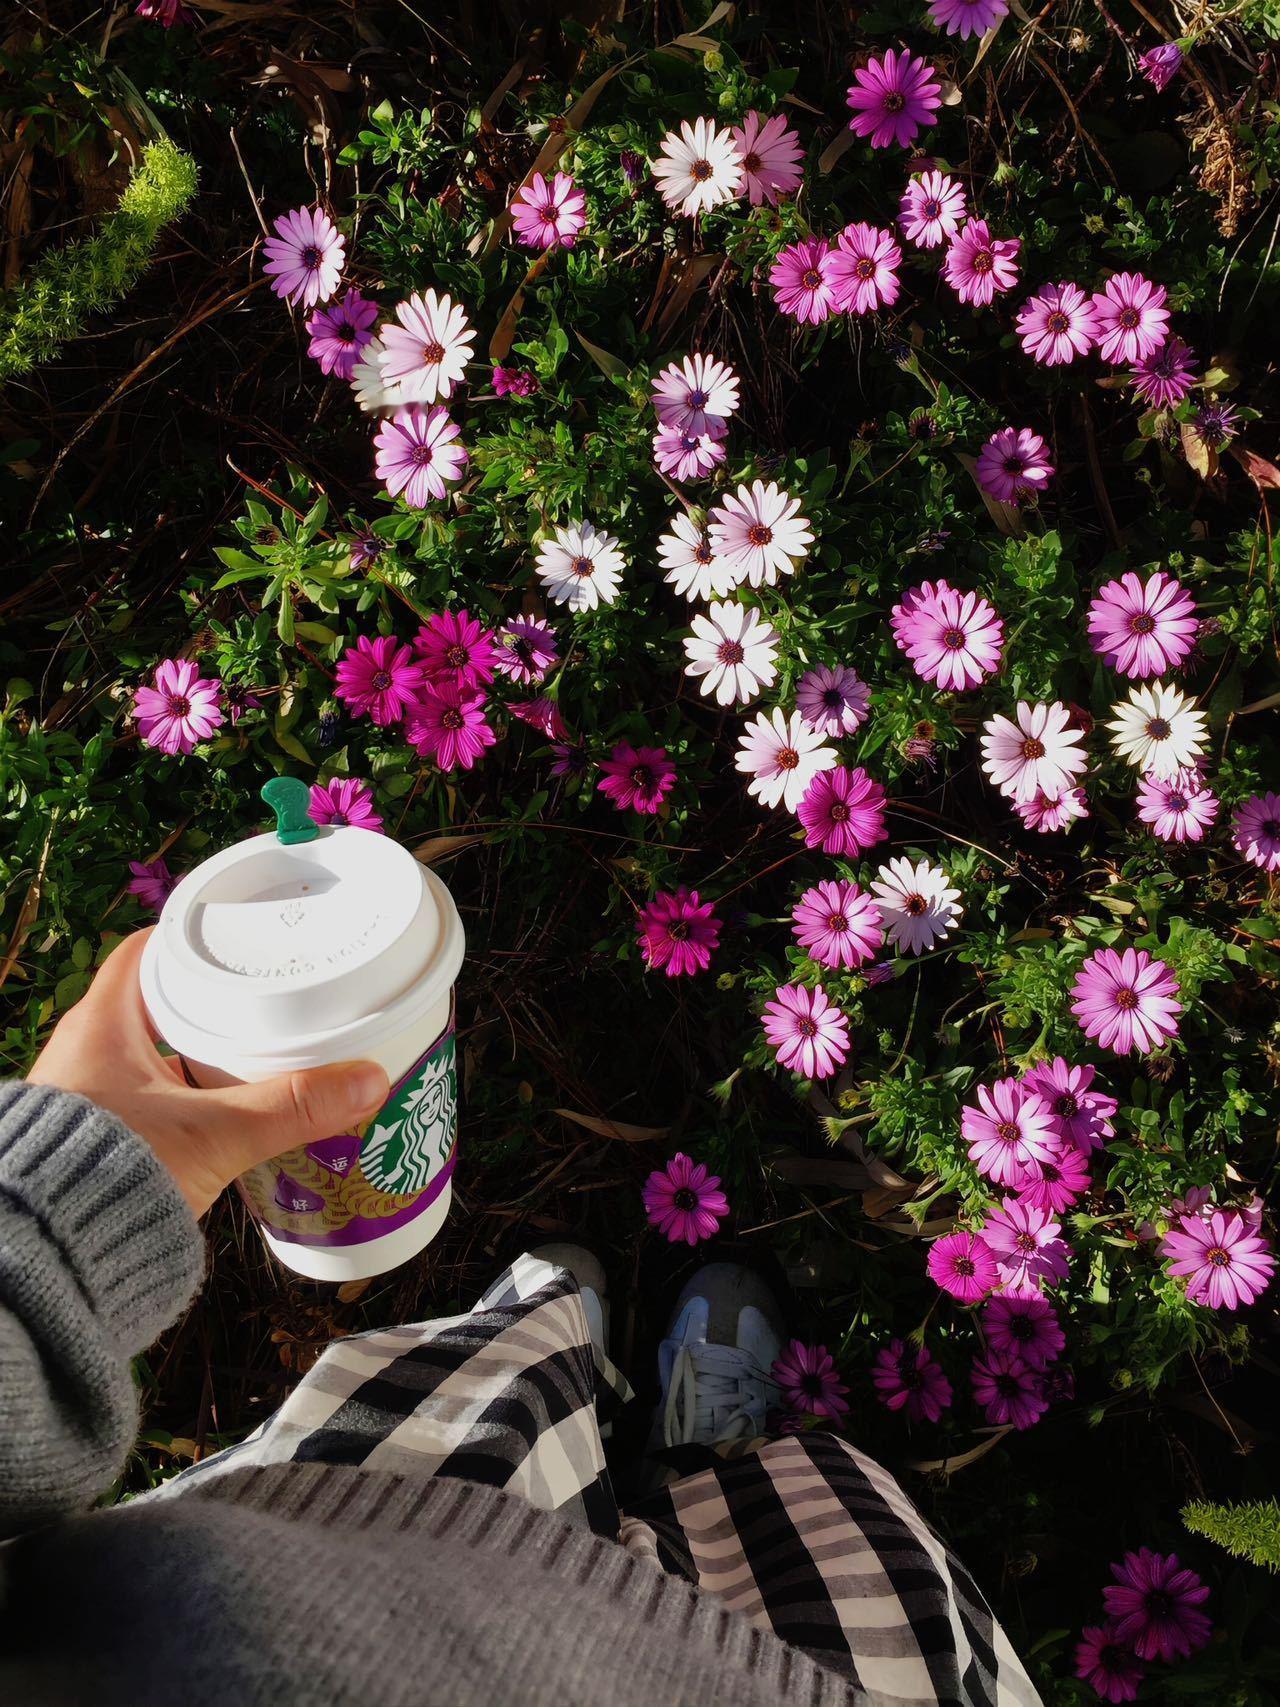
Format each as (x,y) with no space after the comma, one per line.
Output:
(786,529)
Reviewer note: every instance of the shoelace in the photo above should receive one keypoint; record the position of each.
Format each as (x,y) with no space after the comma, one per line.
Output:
(716,1392)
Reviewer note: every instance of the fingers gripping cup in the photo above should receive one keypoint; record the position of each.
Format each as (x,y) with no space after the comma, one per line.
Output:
(306,946)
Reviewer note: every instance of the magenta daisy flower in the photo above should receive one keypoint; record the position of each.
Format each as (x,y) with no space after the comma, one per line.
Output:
(344,800)
(1107,1664)
(842,811)
(166,12)
(448,725)
(514,382)
(953,639)
(837,924)
(1161,64)
(678,933)
(894,98)
(340,333)
(526,649)
(1176,809)
(833,701)
(1009,1131)
(455,646)
(151,881)
(1155,1605)
(424,353)
(548,213)
(637,779)
(1014,465)
(1059,1182)
(1255,831)
(1131,316)
(1023,1327)
(810,1381)
(932,209)
(684,1201)
(1126,1001)
(1163,378)
(909,1377)
(1008,1389)
(978,265)
(967,17)
(698,395)
(1081,1116)
(179,709)
(771,158)
(1048,813)
(542,714)
(902,615)
(1035,752)
(379,677)
(1143,628)
(964,1265)
(1057,324)
(305,257)
(863,269)
(1028,1246)
(687,456)
(417,454)
(801,281)
(1226,1263)
(808,1033)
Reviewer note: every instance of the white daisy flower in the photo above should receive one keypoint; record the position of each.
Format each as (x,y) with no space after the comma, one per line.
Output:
(698,167)
(581,567)
(693,569)
(427,353)
(1034,752)
(374,394)
(733,649)
(1158,729)
(697,395)
(917,905)
(760,533)
(782,755)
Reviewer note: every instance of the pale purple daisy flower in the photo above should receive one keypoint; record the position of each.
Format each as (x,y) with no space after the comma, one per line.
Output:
(1037,751)
(1008,1132)
(548,213)
(781,755)
(527,648)
(1255,831)
(1164,377)
(1026,1327)
(1143,628)
(180,709)
(1176,809)
(1028,1244)
(837,925)
(771,158)
(1049,813)
(151,881)
(1014,465)
(1155,1603)
(1161,64)
(964,1265)
(1131,317)
(810,1382)
(806,1031)
(893,98)
(1057,324)
(685,455)
(863,269)
(834,701)
(344,800)
(1008,1390)
(967,17)
(698,395)
(977,265)
(932,209)
(758,532)
(909,1377)
(1215,424)
(801,281)
(339,333)
(305,257)
(1126,1000)
(417,454)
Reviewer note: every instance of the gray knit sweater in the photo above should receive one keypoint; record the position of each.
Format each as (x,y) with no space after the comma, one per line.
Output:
(292,1583)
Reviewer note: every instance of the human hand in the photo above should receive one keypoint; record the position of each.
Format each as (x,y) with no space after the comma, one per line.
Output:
(104,1049)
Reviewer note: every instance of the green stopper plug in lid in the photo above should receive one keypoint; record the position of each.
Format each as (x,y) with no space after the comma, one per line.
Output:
(301,940)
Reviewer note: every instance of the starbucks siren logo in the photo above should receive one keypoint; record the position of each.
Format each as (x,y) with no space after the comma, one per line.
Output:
(413,1135)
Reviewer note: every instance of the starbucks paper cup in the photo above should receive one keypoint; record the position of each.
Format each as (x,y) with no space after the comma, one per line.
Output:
(285,952)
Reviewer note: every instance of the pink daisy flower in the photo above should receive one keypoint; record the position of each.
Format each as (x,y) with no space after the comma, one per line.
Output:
(1226,1263)
(1028,1246)
(1131,316)
(801,281)
(424,354)
(909,1377)
(1023,1327)
(1014,465)
(810,1382)
(837,925)
(771,158)
(902,616)
(448,725)
(152,882)
(863,269)
(514,382)
(344,800)
(379,677)
(305,257)
(179,709)
(1176,809)
(1059,1183)
(1163,378)
(1161,64)
(808,1033)
(932,209)
(1107,1664)
(166,12)
(953,639)
(1009,1132)
(684,1201)
(843,812)
(1126,1000)
(1008,1390)
(526,649)
(1143,628)
(1057,324)
(687,456)
(678,933)
(978,265)
(833,701)
(697,395)
(894,98)
(1255,831)
(967,17)
(1155,1605)
(1049,813)
(1035,752)
(781,755)
(637,779)
(416,454)
(548,213)
(1080,1116)
(340,333)
(455,646)
(964,1265)
(542,714)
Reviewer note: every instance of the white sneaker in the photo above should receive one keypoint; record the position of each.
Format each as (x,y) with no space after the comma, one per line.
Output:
(714,1363)
(589,1273)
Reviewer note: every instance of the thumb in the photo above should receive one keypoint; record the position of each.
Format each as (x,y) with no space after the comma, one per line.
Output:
(266,1119)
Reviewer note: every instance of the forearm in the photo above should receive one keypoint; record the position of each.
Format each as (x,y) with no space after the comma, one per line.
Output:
(98,1254)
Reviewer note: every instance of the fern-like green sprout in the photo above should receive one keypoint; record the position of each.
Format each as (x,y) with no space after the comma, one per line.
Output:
(41,312)
(1250,1530)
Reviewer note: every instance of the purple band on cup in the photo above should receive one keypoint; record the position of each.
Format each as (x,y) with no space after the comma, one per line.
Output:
(360,1229)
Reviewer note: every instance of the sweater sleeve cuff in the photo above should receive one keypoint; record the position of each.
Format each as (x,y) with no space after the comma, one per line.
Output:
(113,1209)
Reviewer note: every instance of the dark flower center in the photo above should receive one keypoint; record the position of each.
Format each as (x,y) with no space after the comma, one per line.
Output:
(730,652)
(457,657)
(1142,624)
(1032,749)
(1158,729)
(751,163)
(1126,1000)
(1177,802)
(697,399)
(420,455)
(837,922)
(1159,1603)
(1128,318)
(1025,1242)
(838,812)
(1021,1328)
(549,213)
(523,650)
(833,699)
(582,567)
(788,759)
(953,639)
(1007,1386)
(865,268)
(679,931)
(1271,828)
(431,354)
(452,720)
(932,209)
(338,818)
(1057,322)
(1014,465)
(812,1386)
(1066,1106)
(1218,1257)
(685,1199)
(179,705)
(806,1028)
(702,553)
(346,332)
(758,534)
(964,1267)
(1007,1132)
(811,279)
(311,257)
(983,261)
(700,171)
(381,681)
(915,905)
(642,777)
(894,101)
